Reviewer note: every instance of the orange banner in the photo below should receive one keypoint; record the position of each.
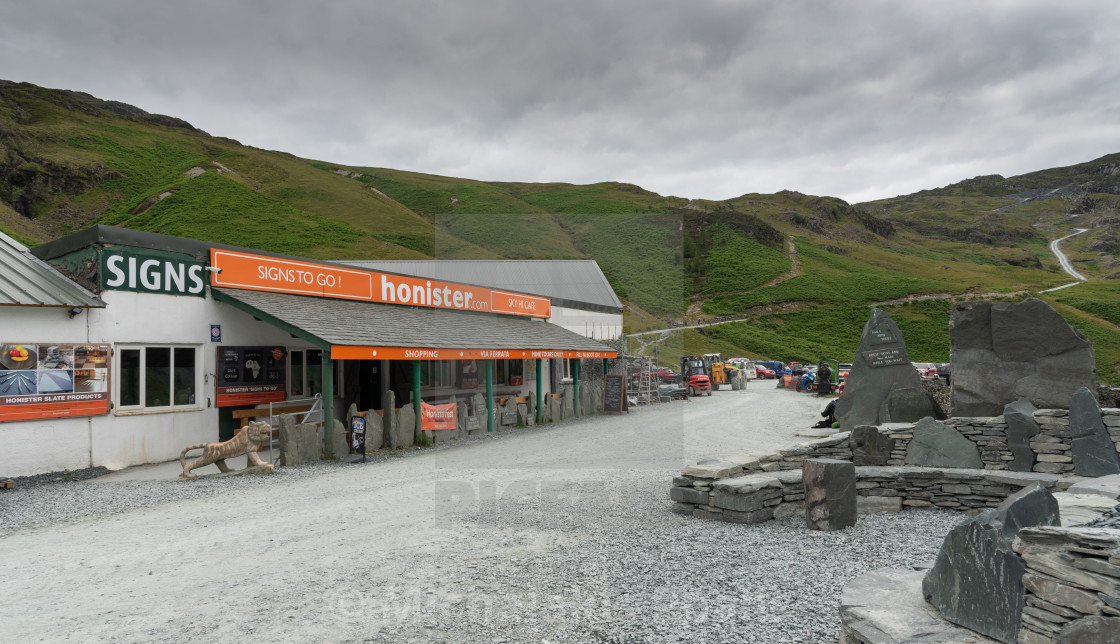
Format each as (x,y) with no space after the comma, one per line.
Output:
(263,273)
(438,416)
(345,352)
(56,407)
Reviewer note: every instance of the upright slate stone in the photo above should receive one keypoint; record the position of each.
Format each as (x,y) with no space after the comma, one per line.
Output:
(374,436)
(881,364)
(1094,453)
(406,426)
(977,579)
(909,405)
(389,420)
(935,444)
(1001,352)
(1021,427)
(830,493)
(870,446)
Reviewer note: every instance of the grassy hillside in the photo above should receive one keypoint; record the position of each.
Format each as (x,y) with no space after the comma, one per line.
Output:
(797,272)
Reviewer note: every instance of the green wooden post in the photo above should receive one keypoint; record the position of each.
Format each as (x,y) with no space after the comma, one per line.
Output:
(489,395)
(606,366)
(416,393)
(540,413)
(575,386)
(328,406)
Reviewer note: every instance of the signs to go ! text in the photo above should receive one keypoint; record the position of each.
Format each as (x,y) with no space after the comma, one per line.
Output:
(263,273)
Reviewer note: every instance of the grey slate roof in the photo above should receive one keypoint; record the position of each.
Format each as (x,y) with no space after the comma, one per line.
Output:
(567,282)
(350,323)
(26,280)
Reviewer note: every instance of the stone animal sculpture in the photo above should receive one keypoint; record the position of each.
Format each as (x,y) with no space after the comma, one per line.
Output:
(247,441)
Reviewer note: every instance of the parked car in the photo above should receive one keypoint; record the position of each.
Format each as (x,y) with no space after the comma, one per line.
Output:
(763,371)
(845,369)
(926,369)
(796,368)
(663,374)
(943,371)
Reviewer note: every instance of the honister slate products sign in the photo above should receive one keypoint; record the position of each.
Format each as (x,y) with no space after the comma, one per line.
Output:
(250,375)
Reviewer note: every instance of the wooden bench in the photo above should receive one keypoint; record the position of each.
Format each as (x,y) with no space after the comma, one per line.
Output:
(260,412)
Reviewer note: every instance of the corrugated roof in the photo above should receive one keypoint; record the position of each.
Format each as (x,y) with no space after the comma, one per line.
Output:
(566,281)
(350,323)
(26,280)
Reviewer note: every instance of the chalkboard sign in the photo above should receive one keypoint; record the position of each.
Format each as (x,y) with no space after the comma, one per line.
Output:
(614,394)
(358,435)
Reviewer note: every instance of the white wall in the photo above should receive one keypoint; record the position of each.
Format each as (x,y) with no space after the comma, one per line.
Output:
(591,324)
(121,439)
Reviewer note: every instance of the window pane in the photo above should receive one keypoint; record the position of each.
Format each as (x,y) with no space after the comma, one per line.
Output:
(184,376)
(157,376)
(130,377)
(296,380)
(425,373)
(314,372)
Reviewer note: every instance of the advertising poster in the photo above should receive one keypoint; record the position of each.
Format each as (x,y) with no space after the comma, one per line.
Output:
(250,375)
(438,416)
(53,380)
(468,377)
(517,372)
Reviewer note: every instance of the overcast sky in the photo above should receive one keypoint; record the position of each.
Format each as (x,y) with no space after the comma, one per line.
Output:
(860,99)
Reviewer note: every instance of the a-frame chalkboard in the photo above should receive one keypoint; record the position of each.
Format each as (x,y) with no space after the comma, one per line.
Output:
(614,394)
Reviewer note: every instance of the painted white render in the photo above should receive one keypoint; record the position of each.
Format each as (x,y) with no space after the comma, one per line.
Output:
(124,438)
(590,324)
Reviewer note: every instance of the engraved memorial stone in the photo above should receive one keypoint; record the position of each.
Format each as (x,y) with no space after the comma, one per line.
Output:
(881,364)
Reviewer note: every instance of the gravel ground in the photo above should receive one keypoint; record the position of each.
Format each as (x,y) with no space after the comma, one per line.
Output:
(554,534)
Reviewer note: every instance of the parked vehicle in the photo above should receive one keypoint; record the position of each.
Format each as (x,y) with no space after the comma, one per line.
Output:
(721,373)
(926,369)
(796,368)
(745,366)
(663,374)
(694,377)
(763,371)
(943,371)
(844,370)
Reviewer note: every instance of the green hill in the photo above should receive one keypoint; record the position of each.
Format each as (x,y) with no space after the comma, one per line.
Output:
(796,272)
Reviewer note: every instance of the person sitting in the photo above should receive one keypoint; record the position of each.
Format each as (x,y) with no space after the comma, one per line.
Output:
(829,414)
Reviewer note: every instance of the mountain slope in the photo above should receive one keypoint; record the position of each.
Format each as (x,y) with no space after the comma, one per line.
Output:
(800,271)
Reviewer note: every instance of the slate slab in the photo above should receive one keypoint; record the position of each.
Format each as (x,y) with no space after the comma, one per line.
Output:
(936,444)
(406,426)
(1021,426)
(1003,351)
(374,435)
(976,581)
(1093,629)
(881,364)
(910,404)
(1094,453)
(870,447)
(830,493)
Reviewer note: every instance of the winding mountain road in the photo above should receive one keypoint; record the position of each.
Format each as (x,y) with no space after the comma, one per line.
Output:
(1066,265)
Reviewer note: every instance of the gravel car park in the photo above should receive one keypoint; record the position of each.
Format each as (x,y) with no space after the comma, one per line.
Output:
(559,533)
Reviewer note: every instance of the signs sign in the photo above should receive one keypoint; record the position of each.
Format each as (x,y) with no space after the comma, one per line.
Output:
(146,272)
(438,416)
(358,435)
(53,380)
(250,375)
(263,273)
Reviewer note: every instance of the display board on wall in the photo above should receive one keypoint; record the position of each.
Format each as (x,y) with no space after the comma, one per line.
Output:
(250,375)
(53,380)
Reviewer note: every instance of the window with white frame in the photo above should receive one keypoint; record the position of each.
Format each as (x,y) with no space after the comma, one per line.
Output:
(157,377)
(436,373)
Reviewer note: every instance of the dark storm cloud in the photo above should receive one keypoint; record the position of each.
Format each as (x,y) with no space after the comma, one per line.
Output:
(701,99)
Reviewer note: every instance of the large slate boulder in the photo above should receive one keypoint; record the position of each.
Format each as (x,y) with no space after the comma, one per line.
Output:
(870,446)
(909,405)
(881,364)
(936,444)
(406,426)
(976,580)
(389,420)
(374,435)
(1094,453)
(1021,427)
(339,444)
(830,493)
(299,443)
(1002,351)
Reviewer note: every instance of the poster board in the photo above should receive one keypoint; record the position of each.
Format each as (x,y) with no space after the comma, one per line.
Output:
(251,375)
(438,416)
(614,394)
(53,380)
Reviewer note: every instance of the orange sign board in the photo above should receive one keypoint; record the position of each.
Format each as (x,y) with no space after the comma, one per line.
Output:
(345,352)
(263,273)
(438,416)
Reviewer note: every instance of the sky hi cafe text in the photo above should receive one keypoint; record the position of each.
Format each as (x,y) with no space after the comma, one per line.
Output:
(263,273)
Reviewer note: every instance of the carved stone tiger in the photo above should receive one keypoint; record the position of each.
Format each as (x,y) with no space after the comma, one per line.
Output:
(248,440)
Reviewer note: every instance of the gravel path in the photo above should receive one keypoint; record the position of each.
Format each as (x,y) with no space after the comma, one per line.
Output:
(556,534)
